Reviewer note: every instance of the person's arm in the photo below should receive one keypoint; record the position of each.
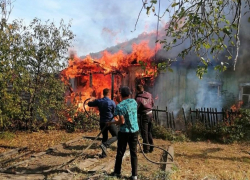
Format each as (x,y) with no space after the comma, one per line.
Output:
(93,103)
(113,104)
(119,121)
(138,103)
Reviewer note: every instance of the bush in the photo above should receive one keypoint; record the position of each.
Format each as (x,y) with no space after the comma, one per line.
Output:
(84,122)
(238,130)
(160,132)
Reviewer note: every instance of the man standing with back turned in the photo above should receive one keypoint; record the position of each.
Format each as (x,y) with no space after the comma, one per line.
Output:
(145,104)
(106,108)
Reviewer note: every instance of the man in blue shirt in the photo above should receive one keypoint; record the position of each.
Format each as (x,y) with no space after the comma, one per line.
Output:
(106,108)
(126,111)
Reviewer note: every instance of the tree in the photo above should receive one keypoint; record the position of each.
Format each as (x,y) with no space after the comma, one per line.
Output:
(31,58)
(206,27)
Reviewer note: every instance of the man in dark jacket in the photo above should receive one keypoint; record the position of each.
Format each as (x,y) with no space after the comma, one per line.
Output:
(145,104)
(106,108)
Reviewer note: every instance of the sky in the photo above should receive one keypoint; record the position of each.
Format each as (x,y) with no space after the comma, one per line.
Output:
(97,24)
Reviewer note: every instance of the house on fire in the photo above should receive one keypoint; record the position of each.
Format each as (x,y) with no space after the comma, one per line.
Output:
(129,63)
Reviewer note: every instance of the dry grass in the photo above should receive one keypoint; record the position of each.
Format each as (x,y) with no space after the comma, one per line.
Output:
(201,160)
(36,141)
(194,160)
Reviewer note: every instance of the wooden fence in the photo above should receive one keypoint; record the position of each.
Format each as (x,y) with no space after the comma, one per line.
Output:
(210,117)
(164,118)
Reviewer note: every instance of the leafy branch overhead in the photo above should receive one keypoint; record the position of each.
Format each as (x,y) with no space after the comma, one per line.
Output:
(206,28)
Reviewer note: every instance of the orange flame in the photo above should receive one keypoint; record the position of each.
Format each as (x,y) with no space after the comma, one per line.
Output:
(90,76)
(236,106)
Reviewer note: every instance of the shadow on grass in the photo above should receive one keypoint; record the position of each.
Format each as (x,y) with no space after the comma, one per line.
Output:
(206,155)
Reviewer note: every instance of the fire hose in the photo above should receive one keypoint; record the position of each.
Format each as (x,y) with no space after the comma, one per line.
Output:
(82,153)
(138,142)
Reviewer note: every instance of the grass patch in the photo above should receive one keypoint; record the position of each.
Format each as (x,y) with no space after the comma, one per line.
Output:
(7,135)
(160,132)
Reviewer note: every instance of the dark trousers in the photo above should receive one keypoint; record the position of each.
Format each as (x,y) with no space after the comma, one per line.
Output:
(146,131)
(124,139)
(113,131)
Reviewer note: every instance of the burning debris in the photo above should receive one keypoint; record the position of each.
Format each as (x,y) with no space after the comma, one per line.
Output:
(88,77)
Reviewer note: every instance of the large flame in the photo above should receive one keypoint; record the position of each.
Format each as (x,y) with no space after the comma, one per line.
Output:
(91,76)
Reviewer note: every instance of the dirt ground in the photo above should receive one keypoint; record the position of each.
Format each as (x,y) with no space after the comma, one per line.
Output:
(192,160)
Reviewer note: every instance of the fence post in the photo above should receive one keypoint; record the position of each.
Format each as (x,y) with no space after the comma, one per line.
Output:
(157,114)
(173,120)
(216,116)
(208,118)
(184,116)
(223,115)
(167,123)
(191,118)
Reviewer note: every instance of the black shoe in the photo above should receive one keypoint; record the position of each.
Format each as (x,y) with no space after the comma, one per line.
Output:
(151,149)
(145,152)
(104,149)
(115,174)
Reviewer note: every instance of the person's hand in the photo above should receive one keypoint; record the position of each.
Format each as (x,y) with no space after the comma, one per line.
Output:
(116,118)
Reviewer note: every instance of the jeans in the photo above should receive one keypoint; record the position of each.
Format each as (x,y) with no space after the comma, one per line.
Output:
(113,131)
(123,139)
(146,131)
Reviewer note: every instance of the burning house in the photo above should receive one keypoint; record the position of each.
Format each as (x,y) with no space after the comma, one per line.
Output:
(130,63)
(88,76)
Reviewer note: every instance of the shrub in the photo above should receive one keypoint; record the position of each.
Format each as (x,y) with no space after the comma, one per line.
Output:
(238,130)
(160,132)
(84,122)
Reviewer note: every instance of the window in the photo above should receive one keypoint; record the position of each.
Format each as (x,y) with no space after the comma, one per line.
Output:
(244,95)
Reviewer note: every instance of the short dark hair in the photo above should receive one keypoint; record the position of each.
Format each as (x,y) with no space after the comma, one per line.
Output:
(125,91)
(105,91)
(140,88)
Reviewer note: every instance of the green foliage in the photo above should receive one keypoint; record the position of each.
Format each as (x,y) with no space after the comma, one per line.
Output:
(83,122)
(238,130)
(161,132)
(205,28)
(197,132)
(7,135)
(31,58)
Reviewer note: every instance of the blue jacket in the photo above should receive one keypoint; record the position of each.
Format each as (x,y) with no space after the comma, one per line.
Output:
(106,108)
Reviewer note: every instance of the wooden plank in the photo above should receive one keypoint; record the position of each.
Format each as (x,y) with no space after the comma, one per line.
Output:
(22,177)
(91,137)
(86,163)
(15,165)
(170,159)
(32,157)
(72,141)
(11,152)
(16,157)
